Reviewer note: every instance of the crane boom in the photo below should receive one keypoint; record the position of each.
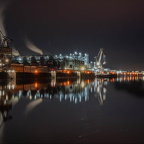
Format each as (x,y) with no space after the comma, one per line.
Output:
(99,59)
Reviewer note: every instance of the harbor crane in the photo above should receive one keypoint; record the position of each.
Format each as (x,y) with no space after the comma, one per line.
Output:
(4,40)
(100,60)
(5,52)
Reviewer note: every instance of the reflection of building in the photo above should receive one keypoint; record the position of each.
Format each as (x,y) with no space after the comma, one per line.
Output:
(76,91)
(67,90)
(5,105)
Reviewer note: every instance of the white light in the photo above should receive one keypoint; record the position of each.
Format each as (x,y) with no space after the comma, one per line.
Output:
(6,60)
(6,97)
(20,58)
(82,68)
(13,86)
(30,97)
(82,84)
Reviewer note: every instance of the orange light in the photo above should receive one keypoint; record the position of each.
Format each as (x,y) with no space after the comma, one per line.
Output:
(36,85)
(68,72)
(68,82)
(65,83)
(36,71)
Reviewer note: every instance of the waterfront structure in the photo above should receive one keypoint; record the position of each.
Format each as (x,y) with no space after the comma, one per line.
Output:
(75,64)
(75,61)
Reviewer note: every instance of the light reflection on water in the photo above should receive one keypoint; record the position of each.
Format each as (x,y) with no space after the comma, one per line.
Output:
(18,101)
(76,91)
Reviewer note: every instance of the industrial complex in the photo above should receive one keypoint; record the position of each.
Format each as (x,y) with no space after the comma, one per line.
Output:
(53,66)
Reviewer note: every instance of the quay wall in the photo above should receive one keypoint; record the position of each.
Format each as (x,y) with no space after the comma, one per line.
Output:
(59,75)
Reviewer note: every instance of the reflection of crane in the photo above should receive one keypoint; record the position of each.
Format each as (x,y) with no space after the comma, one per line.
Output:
(100,87)
(99,59)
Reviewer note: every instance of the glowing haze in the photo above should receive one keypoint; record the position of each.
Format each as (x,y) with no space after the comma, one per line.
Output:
(32,47)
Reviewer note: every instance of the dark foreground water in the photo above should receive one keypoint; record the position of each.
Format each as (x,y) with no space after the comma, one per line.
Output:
(81,111)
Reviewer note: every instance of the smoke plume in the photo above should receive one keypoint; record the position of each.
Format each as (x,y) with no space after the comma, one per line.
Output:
(32,47)
(15,52)
(2,9)
(32,105)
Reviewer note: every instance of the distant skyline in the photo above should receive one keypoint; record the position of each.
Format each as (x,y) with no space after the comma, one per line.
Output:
(66,26)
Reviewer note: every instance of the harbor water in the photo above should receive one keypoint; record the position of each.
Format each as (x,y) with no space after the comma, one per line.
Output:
(102,110)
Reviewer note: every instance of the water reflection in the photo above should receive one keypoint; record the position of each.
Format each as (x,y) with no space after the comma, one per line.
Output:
(100,86)
(75,91)
(83,117)
(64,90)
(134,86)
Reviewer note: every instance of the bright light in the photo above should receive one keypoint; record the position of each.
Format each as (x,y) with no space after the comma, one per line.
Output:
(98,63)
(82,84)
(36,85)
(68,72)
(82,68)
(7,60)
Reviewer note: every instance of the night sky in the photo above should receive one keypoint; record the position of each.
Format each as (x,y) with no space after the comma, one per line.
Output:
(66,26)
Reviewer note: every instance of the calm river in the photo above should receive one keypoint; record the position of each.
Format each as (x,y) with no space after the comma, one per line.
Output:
(72,111)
